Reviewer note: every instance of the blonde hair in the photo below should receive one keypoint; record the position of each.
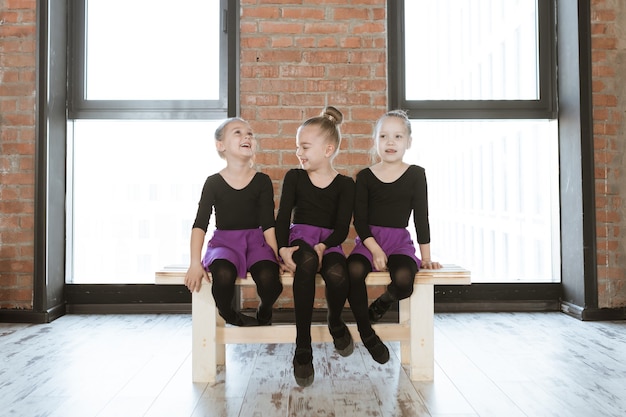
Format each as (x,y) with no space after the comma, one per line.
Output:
(219,132)
(400,114)
(328,122)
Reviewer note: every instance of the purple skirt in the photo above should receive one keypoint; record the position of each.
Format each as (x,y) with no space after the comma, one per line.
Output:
(312,235)
(392,240)
(243,248)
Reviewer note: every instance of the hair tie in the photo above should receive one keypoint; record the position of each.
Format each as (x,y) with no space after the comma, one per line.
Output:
(331,117)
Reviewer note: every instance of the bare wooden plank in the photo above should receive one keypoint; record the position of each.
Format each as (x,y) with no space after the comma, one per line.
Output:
(287,333)
(448,275)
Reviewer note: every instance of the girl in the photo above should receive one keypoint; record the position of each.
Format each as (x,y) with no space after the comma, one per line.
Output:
(244,239)
(386,194)
(312,221)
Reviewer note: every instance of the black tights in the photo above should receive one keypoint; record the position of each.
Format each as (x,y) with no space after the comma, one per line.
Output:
(402,270)
(264,273)
(335,276)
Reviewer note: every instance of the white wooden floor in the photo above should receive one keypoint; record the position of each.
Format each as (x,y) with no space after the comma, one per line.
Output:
(487,364)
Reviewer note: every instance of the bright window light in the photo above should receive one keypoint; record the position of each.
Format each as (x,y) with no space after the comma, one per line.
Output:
(136,187)
(167,54)
(493,190)
(471,50)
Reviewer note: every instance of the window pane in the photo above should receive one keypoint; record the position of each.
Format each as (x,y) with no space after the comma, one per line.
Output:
(471,50)
(493,196)
(136,187)
(152,50)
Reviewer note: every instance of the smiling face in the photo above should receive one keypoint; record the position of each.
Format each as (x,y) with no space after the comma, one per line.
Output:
(237,140)
(312,148)
(392,139)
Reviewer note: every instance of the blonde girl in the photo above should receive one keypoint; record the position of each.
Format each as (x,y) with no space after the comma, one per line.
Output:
(244,239)
(387,193)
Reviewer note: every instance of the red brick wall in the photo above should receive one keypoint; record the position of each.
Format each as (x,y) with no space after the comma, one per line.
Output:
(297,57)
(17,149)
(608,19)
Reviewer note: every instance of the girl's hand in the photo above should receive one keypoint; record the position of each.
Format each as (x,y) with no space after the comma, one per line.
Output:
(319,249)
(428,264)
(282,267)
(286,254)
(194,276)
(379,258)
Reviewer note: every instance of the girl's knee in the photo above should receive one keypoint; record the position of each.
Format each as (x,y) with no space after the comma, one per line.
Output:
(401,286)
(405,292)
(358,267)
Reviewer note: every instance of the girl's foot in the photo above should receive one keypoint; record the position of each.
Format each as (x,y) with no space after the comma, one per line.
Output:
(237,318)
(342,339)
(378,309)
(303,367)
(264,318)
(376,348)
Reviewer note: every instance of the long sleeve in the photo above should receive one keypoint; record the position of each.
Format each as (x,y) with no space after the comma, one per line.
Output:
(420,209)
(285,208)
(266,203)
(205,206)
(361,207)
(344,214)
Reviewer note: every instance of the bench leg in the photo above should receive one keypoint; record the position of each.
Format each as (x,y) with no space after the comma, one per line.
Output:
(404,310)
(203,348)
(422,333)
(220,351)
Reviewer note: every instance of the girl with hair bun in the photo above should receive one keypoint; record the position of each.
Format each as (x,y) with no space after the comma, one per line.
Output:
(312,222)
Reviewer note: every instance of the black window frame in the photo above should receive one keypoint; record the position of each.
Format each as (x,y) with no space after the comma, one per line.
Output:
(543,108)
(227,104)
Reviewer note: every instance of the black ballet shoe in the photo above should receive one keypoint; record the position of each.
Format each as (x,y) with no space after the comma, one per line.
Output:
(342,339)
(377,310)
(303,370)
(264,319)
(239,319)
(376,348)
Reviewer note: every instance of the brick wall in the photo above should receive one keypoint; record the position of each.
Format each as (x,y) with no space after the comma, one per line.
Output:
(608,21)
(17,149)
(297,57)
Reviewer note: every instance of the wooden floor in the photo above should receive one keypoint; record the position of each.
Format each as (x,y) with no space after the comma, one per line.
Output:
(487,364)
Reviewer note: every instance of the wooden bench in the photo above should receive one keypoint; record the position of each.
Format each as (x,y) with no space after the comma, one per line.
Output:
(414,330)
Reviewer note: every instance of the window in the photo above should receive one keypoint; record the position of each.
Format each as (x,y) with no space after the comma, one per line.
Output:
(145,100)
(478,59)
(139,54)
(158,63)
(477,78)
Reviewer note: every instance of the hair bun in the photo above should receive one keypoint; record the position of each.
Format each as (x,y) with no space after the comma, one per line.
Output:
(332,114)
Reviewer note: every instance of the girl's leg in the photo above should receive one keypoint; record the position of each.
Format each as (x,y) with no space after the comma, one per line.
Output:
(223,275)
(402,270)
(267,278)
(358,268)
(303,296)
(335,274)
